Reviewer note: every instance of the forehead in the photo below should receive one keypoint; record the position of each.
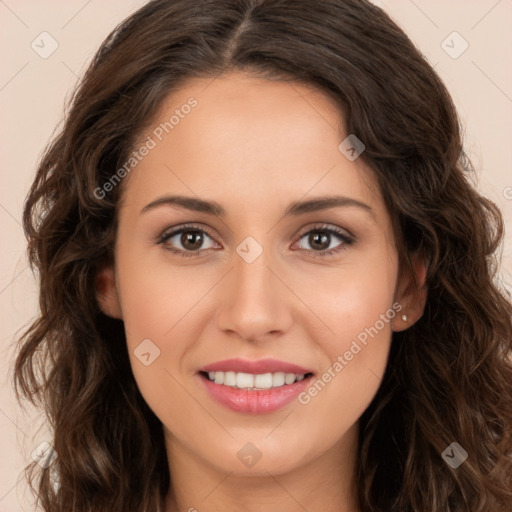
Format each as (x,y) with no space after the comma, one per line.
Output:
(248,138)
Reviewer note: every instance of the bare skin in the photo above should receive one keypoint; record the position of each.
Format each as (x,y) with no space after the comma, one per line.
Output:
(254,147)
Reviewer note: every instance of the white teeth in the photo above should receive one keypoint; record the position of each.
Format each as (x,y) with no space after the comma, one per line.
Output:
(259,381)
(244,380)
(278,379)
(263,381)
(230,379)
(289,378)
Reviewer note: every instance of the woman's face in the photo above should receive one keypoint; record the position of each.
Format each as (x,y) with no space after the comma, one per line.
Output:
(263,271)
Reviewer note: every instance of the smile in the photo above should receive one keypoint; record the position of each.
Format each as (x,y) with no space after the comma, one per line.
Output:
(259,381)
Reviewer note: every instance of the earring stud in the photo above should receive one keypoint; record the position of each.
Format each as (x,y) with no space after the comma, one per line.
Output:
(404,318)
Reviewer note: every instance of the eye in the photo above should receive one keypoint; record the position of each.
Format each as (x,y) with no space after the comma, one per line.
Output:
(321,238)
(191,238)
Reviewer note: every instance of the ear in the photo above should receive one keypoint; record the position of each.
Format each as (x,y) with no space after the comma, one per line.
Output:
(106,292)
(411,295)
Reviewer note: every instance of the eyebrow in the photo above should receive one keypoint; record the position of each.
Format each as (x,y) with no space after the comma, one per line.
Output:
(294,209)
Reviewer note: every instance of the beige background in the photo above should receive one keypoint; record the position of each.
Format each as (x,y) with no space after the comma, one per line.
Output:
(32,93)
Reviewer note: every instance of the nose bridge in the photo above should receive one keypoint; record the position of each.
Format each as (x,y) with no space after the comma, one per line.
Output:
(256,302)
(253,279)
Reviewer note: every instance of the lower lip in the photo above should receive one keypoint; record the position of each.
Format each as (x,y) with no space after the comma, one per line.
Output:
(255,402)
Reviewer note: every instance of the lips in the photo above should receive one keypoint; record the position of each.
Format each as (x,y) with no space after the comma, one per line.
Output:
(255,367)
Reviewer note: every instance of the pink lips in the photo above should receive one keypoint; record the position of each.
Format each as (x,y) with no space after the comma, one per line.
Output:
(260,366)
(250,401)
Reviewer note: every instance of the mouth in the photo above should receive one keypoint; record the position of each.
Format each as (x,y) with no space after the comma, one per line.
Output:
(254,387)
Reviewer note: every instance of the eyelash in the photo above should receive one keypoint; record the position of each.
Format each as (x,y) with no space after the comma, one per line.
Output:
(346,240)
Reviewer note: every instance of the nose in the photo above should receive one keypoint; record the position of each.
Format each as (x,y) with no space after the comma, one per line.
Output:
(255,302)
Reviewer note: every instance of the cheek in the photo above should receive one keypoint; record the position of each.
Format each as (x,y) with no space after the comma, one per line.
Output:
(350,300)
(158,305)
(357,303)
(358,350)
(156,297)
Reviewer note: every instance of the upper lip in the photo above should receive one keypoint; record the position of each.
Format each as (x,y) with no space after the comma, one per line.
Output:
(256,367)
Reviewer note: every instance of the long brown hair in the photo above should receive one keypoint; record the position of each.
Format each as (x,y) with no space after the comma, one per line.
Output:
(449,376)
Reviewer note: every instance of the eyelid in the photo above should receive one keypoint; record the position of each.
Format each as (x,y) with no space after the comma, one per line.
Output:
(170,232)
(327,227)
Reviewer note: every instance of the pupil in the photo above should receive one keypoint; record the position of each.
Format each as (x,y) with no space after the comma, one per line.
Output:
(188,238)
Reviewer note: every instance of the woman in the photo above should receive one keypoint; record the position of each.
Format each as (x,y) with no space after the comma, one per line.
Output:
(265,280)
